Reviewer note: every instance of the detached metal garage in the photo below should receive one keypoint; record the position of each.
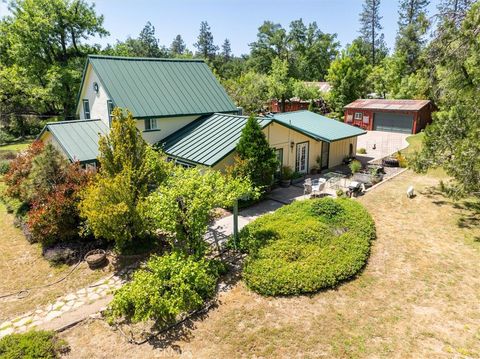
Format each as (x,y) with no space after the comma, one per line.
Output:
(404,116)
(392,122)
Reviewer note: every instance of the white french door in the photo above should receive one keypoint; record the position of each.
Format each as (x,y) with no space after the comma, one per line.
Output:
(301,163)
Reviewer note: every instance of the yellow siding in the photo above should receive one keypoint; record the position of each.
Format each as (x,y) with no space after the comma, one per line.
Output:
(340,149)
(223,164)
(279,136)
(48,138)
(166,127)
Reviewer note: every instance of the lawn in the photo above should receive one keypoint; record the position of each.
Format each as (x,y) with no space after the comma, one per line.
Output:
(417,297)
(16,146)
(414,144)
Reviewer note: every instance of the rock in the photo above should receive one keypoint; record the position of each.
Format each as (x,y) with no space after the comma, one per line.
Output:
(70,297)
(22,322)
(52,315)
(5,325)
(6,331)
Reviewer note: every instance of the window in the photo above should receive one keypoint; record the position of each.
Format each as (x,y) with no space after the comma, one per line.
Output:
(366,119)
(110,109)
(349,118)
(279,154)
(358,115)
(86,109)
(151,124)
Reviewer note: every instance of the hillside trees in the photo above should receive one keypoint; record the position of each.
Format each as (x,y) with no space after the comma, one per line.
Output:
(348,76)
(308,50)
(453,140)
(42,55)
(145,45)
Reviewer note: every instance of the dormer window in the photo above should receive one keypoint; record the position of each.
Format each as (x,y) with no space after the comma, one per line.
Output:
(151,124)
(86,109)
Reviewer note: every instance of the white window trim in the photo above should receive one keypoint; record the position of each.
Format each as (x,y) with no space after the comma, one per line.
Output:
(151,124)
(358,116)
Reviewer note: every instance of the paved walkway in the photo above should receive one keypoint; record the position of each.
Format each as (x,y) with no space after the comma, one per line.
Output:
(64,310)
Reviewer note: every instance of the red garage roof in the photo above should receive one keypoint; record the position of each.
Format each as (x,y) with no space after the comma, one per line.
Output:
(390,105)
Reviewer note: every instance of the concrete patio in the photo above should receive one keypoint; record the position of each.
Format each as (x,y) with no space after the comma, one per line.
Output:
(385,144)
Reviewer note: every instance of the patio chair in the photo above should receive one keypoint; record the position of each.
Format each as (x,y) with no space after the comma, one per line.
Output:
(318,185)
(307,186)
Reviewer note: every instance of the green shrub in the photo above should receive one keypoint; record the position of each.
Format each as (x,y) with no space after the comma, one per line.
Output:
(355,166)
(340,192)
(328,208)
(33,344)
(4,167)
(362,151)
(306,246)
(169,286)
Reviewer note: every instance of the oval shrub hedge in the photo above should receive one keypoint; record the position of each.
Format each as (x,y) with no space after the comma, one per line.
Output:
(306,246)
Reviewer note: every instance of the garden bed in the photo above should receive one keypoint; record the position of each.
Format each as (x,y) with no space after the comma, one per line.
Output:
(306,246)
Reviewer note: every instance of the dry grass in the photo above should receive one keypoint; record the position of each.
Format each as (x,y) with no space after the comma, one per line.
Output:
(419,296)
(22,266)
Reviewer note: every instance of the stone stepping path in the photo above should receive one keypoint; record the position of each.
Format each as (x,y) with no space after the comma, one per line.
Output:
(63,305)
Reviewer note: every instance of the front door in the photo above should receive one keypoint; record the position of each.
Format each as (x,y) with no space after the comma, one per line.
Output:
(301,163)
(325,154)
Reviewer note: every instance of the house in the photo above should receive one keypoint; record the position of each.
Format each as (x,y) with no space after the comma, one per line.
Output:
(297,104)
(299,138)
(405,116)
(180,107)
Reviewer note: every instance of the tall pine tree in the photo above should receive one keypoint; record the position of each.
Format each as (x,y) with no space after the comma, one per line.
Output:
(226,50)
(413,25)
(371,29)
(178,46)
(205,45)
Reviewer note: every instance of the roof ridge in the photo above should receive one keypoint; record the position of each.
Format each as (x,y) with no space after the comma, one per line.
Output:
(72,121)
(132,58)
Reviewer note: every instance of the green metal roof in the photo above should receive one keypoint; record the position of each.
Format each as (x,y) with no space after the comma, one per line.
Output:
(151,87)
(318,127)
(79,139)
(207,140)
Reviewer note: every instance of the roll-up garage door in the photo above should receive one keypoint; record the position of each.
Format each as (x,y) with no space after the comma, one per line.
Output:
(392,122)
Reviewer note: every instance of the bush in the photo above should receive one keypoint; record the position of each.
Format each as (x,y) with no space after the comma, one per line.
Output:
(4,167)
(5,137)
(19,170)
(306,246)
(355,166)
(402,161)
(33,344)
(362,151)
(169,286)
(328,208)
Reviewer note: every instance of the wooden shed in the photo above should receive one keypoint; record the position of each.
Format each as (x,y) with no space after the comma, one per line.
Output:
(404,116)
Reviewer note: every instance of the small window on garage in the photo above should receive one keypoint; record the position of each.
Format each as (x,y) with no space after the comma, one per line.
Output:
(358,115)
(366,119)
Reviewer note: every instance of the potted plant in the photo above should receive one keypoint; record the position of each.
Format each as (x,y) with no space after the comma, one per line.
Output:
(375,176)
(314,170)
(297,177)
(286,176)
(355,166)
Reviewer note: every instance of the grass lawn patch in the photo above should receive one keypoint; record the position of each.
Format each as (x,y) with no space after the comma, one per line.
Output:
(306,246)
(16,146)
(34,344)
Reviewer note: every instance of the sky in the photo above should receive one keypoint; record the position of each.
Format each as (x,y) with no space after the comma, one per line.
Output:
(237,20)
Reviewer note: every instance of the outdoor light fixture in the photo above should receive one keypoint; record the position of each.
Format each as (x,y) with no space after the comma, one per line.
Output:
(292,144)
(95,87)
